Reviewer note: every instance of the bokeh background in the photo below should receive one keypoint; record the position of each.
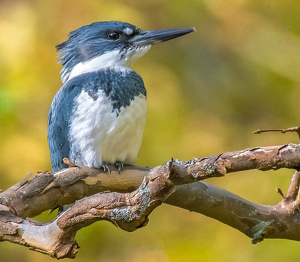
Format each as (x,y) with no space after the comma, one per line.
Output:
(207,92)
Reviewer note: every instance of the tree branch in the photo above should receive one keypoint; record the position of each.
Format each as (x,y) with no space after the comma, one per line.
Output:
(171,182)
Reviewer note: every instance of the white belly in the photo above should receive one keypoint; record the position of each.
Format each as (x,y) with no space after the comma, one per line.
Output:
(98,134)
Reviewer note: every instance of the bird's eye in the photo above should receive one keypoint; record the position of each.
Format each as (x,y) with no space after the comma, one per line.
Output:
(113,35)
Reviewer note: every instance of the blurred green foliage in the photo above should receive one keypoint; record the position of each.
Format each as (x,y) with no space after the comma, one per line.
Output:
(207,92)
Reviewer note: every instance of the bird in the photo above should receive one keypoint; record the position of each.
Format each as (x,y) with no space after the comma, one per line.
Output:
(98,116)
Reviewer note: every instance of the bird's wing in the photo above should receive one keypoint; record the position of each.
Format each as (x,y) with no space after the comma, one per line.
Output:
(58,123)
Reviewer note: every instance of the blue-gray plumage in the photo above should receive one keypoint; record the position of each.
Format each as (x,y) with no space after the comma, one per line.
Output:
(98,115)
(120,90)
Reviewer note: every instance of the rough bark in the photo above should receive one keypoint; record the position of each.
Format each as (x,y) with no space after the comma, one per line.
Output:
(172,183)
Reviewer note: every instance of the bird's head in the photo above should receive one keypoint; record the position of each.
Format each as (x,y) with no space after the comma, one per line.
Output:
(110,44)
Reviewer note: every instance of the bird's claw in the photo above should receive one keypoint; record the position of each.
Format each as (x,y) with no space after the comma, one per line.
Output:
(119,165)
(106,168)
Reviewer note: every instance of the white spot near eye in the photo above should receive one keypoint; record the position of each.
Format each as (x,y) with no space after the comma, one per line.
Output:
(128,31)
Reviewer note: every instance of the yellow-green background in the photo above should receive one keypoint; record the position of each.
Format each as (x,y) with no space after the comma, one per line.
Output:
(207,92)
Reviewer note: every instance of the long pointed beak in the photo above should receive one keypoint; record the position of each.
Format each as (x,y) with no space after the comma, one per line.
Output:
(158,36)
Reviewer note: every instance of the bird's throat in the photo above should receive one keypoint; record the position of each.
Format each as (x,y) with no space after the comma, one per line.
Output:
(117,60)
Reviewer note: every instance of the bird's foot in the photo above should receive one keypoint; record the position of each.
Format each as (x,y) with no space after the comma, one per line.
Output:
(119,165)
(105,167)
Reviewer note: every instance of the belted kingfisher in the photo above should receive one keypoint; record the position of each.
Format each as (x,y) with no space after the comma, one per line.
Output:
(98,116)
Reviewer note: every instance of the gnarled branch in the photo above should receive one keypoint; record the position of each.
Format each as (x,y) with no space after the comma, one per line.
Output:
(129,209)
